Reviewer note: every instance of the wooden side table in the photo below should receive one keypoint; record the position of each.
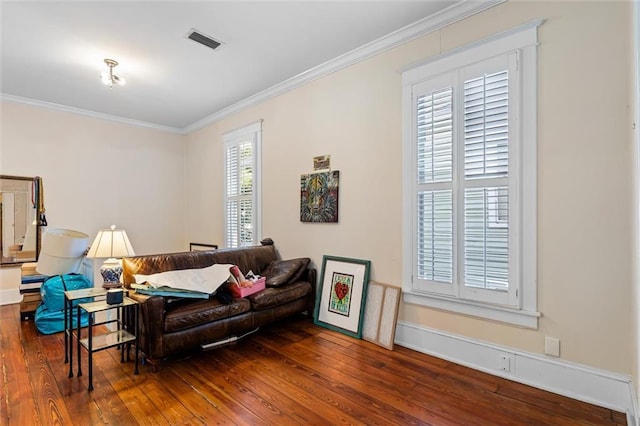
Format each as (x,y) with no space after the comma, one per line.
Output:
(125,334)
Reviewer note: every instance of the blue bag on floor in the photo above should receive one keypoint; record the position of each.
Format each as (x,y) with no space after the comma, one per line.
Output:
(49,316)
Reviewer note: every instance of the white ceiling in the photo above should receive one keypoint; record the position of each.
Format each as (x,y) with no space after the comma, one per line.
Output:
(52,52)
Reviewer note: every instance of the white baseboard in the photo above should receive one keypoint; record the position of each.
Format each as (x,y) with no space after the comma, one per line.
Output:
(10,296)
(603,388)
(632,417)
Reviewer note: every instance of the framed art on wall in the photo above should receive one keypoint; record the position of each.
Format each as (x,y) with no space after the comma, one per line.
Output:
(343,291)
(319,197)
(202,247)
(322,162)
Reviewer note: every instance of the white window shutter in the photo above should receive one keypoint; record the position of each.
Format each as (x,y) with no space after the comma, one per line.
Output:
(462,165)
(434,181)
(486,137)
(486,247)
(232,223)
(434,136)
(242,177)
(486,161)
(232,163)
(435,236)
(246,222)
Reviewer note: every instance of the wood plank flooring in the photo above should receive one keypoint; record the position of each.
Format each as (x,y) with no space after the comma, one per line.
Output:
(292,373)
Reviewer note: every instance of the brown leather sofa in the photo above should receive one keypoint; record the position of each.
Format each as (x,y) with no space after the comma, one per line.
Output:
(172,326)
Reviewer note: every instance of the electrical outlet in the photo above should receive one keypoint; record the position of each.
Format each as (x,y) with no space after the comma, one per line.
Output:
(551,346)
(504,362)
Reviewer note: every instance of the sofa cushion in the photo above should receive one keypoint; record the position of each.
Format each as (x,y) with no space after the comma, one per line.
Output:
(285,271)
(186,313)
(274,296)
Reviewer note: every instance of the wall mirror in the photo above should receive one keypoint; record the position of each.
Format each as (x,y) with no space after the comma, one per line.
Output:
(19,228)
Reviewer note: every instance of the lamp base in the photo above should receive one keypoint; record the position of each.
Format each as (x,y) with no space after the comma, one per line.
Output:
(111,270)
(109,286)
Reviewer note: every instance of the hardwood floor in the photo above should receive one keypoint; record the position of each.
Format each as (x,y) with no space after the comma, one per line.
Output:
(289,373)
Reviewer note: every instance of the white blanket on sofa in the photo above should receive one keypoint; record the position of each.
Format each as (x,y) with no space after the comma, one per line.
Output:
(205,280)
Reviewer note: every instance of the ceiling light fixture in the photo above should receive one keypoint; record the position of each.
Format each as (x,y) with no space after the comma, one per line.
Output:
(109,78)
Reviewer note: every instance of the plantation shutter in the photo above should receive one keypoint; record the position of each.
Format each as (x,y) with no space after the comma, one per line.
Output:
(434,154)
(435,136)
(240,196)
(486,170)
(232,223)
(486,136)
(462,183)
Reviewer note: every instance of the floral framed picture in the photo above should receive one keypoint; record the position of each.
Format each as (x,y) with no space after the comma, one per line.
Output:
(341,300)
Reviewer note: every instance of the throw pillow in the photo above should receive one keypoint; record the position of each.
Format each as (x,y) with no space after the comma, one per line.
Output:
(285,271)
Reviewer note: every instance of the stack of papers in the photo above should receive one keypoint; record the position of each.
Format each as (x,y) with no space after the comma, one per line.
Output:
(192,283)
(168,291)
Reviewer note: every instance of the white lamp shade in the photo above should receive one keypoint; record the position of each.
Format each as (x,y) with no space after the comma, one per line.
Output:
(111,243)
(62,251)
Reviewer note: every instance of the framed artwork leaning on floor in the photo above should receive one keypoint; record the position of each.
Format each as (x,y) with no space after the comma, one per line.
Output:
(343,290)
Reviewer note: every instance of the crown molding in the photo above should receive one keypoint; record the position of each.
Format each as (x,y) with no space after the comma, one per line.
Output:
(454,13)
(88,113)
(448,16)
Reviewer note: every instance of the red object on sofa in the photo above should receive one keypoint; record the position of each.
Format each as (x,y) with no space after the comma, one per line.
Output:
(257,286)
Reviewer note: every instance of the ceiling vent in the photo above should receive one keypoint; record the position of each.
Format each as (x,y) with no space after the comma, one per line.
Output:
(198,37)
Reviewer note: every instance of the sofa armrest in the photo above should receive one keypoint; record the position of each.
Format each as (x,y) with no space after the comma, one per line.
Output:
(152,309)
(311,277)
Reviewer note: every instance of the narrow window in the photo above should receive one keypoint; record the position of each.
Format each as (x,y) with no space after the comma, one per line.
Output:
(242,183)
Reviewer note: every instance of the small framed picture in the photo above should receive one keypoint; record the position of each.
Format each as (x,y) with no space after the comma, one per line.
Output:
(202,247)
(343,291)
(322,162)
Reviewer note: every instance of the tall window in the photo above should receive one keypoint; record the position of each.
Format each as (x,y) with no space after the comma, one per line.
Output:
(242,185)
(470,180)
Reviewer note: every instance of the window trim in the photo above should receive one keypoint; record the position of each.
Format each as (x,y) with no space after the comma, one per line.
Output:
(524,40)
(233,138)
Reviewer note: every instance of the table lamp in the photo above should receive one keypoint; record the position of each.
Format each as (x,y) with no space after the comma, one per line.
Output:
(111,244)
(62,251)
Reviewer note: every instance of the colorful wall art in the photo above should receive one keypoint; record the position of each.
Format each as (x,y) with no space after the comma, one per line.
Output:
(319,197)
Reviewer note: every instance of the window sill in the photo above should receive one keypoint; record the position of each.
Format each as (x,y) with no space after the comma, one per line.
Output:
(520,318)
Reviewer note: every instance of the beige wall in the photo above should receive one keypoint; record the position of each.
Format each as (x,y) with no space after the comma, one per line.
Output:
(585,174)
(97,173)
